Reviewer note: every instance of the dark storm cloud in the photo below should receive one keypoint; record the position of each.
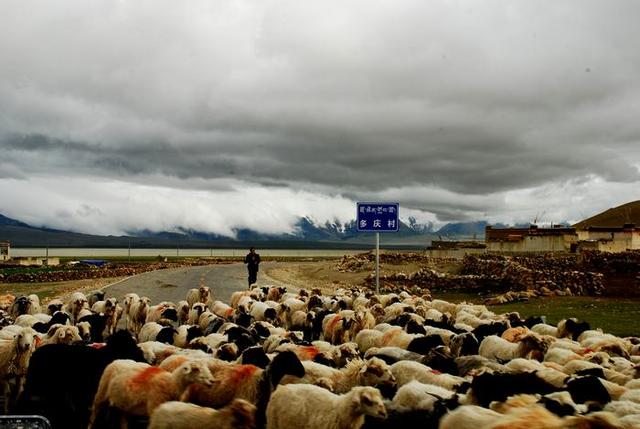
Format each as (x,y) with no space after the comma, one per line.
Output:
(446,106)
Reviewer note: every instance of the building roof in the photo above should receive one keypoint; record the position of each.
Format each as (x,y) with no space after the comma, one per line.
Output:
(517,234)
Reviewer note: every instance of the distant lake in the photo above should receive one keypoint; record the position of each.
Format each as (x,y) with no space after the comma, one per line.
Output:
(102,252)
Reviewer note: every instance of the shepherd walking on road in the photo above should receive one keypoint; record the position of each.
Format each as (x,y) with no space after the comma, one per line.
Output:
(252,260)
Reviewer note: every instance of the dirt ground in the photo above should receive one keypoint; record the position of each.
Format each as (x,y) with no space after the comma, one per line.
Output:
(325,275)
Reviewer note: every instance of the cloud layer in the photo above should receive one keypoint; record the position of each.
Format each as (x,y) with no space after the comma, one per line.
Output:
(458,110)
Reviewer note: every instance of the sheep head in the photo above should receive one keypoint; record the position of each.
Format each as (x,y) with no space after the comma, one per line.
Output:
(376,372)
(285,363)
(194,372)
(368,401)
(25,340)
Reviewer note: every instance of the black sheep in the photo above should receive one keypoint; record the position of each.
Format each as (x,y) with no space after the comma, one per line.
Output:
(488,387)
(62,379)
(588,388)
(494,328)
(425,344)
(98,323)
(58,317)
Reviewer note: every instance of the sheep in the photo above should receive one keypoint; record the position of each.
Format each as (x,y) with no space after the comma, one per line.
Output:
(245,382)
(261,311)
(14,362)
(202,294)
(21,305)
(127,302)
(77,302)
(28,320)
(153,331)
(95,296)
(164,310)
(35,304)
(372,372)
(64,395)
(183,309)
(112,310)
(54,305)
(406,371)
(495,348)
(138,314)
(185,334)
(6,301)
(313,407)
(368,338)
(138,388)
(61,334)
(416,395)
(239,414)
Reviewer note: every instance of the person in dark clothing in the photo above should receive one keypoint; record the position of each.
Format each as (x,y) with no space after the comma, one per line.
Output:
(252,260)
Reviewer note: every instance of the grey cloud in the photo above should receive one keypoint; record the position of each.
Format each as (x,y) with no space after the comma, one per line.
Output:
(357,99)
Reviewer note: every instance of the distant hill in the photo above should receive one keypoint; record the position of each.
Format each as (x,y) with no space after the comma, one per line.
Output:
(307,234)
(616,216)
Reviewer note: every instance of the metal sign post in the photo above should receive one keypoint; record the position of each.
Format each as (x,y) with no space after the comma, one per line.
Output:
(377,263)
(378,217)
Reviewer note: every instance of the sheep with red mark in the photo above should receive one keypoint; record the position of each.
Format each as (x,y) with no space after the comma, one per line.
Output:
(313,407)
(138,388)
(239,414)
(245,382)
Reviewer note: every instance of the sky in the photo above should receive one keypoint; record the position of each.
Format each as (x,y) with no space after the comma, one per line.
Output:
(217,115)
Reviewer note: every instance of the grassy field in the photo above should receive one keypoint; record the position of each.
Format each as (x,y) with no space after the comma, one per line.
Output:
(618,316)
(52,289)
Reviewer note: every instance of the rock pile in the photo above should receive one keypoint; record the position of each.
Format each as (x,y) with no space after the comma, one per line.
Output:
(366,261)
(539,276)
(622,262)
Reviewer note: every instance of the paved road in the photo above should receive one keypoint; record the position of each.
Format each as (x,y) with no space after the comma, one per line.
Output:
(173,284)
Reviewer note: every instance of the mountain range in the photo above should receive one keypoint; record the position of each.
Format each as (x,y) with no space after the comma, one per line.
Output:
(307,234)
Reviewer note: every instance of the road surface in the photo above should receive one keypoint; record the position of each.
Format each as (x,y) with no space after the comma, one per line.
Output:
(173,284)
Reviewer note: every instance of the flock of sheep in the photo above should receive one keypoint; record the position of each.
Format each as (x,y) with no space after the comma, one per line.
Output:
(277,359)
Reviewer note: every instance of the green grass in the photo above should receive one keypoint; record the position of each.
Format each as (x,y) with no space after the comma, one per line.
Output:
(619,316)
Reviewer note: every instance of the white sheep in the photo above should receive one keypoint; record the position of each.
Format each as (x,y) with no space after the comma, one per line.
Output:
(406,371)
(77,302)
(358,372)
(496,348)
(312,407)
(239,414)
(14,361)
(420,396)
(127,302)
(138,314)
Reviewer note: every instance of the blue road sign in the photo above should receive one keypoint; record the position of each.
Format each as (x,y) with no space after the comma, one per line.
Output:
(378,217)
